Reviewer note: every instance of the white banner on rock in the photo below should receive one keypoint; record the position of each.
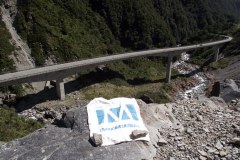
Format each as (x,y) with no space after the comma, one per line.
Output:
(115,120)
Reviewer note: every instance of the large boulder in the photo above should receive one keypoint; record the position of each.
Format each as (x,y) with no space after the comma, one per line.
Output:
(229,90)
(71,139)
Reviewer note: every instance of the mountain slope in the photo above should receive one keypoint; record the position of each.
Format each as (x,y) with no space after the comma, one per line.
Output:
(71,30)
(230,7)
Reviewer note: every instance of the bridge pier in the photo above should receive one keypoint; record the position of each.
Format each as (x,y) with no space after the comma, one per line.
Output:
(169,69)
(60,89)
(216,55)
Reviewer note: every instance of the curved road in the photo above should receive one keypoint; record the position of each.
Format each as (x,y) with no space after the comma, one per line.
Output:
(61,71)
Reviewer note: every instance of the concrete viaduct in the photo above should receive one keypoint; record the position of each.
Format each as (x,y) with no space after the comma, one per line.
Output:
(61,71)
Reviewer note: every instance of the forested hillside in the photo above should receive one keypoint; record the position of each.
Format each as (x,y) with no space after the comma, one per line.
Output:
(74,29)
(230,7)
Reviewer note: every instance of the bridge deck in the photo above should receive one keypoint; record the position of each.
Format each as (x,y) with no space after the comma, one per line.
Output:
(61,71)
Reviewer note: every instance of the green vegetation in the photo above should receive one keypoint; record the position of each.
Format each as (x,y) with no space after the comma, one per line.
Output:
(200,56)
(156,91)
(233,48)
(6,49)
(144,69)
(13,126)
(68,30)
(230,7)
(231,52)
(72,30)
(110,84)
(222,63)
(17,89)
(7,64)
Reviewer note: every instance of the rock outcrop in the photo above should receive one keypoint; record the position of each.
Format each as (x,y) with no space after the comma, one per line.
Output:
(72,141)
(188,129)
(227,89)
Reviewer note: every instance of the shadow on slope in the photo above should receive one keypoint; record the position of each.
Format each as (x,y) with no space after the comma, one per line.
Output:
(94,77)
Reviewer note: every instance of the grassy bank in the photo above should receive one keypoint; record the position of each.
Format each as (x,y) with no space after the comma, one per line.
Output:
(12,126)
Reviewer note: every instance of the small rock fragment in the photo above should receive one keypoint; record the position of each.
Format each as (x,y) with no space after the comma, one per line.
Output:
(202,158)
(219,145)
(223,153)
(173,134)
(237,131)
(234,101)
(236,141)
(199,118)
(97,138)
(211,150)
(189,130)
(138,134)
(178,138)
(146,98)
(1,143)
(161,142)
(203,153)
(206,130)
(235,125)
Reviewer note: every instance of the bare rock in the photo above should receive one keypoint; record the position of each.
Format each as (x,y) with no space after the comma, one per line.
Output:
(97,139)
(199,118)
(203,153)
(212,150)
(161,142)
(223,153)
(146,99)
(71,140)
(2,143)
(236,141)
(202,158)
(50,114)
(189,131)
(138,134)
(229,90)
(219,145)
(178,138)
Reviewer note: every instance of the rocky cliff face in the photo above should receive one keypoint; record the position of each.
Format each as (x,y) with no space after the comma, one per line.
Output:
(11,6)
(22,54)
(196,129)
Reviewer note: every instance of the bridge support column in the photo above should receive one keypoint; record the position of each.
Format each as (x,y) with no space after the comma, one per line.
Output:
(169,69)
(60,89)
(216,55)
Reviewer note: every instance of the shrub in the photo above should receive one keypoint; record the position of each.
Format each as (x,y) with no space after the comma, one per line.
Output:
(13,126)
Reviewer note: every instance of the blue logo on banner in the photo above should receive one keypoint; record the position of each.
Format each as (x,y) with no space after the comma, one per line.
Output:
(116,114)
